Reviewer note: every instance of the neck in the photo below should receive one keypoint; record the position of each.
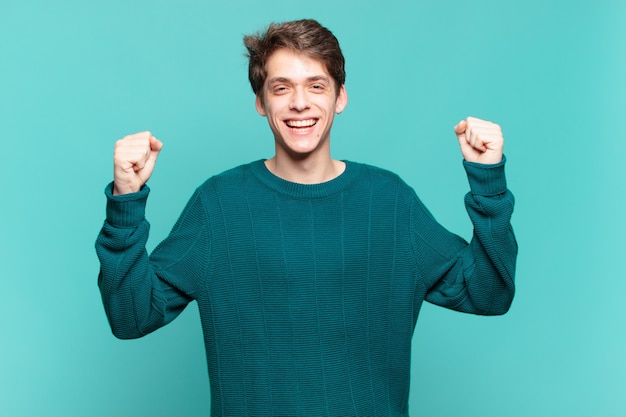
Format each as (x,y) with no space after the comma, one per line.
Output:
(306,170)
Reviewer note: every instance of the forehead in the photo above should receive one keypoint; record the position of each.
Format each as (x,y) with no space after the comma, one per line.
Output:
(287,63)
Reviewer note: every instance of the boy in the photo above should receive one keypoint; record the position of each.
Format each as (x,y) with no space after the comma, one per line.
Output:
(309,272)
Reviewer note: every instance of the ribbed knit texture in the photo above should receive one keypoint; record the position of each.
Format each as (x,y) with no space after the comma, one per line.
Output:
(308,294)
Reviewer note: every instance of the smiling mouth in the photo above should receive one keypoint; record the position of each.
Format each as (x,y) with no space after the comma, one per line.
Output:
(301,124)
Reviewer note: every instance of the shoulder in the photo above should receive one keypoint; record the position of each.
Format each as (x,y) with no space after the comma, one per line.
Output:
(231,178)
(381,177)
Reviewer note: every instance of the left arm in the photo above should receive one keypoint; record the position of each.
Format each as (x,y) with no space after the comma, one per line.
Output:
(475,277)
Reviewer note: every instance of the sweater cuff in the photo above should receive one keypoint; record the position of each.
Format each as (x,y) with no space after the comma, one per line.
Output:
(486,179)
(127,210)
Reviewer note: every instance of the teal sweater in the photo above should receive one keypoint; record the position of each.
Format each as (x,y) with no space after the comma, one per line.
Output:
(308,294)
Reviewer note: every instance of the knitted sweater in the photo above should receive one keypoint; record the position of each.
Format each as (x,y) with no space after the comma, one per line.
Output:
(308,294)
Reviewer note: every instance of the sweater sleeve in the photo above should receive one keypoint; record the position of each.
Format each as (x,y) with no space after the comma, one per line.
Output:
(475,277)
(142,293)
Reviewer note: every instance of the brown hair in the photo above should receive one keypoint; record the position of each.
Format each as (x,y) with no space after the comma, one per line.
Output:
(305,36)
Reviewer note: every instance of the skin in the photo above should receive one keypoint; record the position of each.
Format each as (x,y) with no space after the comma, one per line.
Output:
(480,141)
(133,161)
(298,91)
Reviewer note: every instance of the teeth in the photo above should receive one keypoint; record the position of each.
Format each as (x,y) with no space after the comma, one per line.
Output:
(301,123)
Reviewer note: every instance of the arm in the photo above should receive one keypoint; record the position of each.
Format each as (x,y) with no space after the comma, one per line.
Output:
(141,293)
(475,277)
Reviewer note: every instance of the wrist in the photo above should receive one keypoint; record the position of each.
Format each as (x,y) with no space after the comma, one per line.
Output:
(486,179)
(122,189)
(126,210)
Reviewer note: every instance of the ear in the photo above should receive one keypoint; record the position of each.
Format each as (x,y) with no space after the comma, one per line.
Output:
(260,107)
(342,100)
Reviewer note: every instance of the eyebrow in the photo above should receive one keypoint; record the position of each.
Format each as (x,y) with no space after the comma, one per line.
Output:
(315,78)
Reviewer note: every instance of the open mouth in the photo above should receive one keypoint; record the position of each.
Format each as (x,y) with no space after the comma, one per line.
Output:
(301,124)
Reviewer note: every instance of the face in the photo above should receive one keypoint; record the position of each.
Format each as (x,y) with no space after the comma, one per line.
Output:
(299,99)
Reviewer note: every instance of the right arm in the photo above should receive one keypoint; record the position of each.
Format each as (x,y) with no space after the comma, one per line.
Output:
(141,293)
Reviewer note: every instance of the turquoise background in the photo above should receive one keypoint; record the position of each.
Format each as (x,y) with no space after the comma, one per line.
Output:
(77,75)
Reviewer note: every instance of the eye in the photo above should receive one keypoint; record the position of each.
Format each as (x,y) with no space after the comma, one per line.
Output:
(279,89)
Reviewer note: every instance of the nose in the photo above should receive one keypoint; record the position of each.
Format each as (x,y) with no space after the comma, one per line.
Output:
(299,100)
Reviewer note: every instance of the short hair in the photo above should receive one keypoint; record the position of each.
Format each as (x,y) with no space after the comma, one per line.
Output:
(305,36)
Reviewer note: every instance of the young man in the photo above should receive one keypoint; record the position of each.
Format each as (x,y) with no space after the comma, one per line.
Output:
(309,272)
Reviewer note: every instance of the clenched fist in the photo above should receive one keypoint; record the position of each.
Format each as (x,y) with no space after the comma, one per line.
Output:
(134,159)
(480,141)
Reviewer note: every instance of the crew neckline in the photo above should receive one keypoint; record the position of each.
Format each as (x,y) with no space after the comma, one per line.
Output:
(299,190)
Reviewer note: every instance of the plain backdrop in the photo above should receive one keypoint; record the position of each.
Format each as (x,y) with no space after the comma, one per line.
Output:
(77,75)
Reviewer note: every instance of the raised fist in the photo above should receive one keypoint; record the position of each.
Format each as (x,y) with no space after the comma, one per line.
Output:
(134,160)
(480,141)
